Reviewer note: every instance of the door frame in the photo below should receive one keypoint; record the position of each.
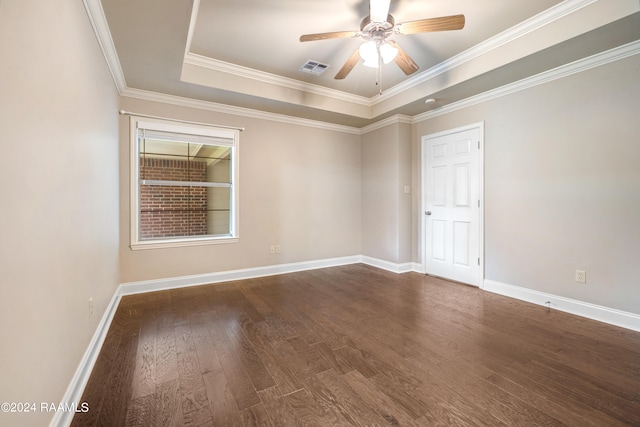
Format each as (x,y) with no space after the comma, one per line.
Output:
(422,240)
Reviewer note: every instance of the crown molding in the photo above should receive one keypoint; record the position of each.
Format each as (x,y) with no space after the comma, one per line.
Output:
(192,26)
(398,118)
(261,76)
(103,34)
(538,21)
(238,111)
(99,23)
(593,61)
(264,77)
(575,67)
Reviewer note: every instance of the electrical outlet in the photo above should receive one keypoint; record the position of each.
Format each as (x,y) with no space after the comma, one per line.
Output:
(90,307)
(272,249)
(581,276)
(277,249)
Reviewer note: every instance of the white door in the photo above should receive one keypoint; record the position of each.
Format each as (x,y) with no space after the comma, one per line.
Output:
(452,204)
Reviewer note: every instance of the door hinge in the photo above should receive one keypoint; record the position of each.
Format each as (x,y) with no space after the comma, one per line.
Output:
(478,145)
(478,261)
(478,202)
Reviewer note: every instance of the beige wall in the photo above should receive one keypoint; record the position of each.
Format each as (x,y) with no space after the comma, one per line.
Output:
(386,209)
(59,188)
(299,188)
(562,184)
(405,202)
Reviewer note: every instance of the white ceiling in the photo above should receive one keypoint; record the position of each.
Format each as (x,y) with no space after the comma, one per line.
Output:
(263,35)
(246,53)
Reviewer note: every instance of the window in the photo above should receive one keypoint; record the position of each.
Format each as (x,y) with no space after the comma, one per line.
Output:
(184,182)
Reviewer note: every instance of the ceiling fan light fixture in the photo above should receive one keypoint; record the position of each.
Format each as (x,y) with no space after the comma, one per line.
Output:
(388,52)
(370,50)
(369,54)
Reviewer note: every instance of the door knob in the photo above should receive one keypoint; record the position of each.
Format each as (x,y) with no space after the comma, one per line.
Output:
(427,213)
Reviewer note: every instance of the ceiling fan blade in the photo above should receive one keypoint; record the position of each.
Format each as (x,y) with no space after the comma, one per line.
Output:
(348,66)
(404,61)
(378,10)
(444,23)
(327,36)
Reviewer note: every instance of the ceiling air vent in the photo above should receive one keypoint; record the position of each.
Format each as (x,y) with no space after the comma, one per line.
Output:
(314,67)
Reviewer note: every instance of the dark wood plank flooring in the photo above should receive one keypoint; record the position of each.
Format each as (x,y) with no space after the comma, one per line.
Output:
(358,346)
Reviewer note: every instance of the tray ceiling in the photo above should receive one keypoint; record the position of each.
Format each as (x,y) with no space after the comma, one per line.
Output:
(246,53)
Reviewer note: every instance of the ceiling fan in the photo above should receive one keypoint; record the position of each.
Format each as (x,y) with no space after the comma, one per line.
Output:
(376,29)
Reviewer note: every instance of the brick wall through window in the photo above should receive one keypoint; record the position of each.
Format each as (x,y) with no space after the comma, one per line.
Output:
(172,211)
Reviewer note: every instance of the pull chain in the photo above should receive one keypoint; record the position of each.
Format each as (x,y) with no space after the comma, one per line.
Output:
(379,73)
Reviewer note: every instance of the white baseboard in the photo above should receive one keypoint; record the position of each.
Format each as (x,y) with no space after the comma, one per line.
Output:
(591,311)
(131,288)
(83,372)
(416,267)
(225,276)
(386,265)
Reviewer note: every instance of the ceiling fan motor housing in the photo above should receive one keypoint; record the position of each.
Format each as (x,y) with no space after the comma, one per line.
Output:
(376,30)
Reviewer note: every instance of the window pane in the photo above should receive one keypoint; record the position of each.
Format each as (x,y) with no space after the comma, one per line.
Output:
(218,163)
(174,161)
(172,211)
(183,210)
(219,211)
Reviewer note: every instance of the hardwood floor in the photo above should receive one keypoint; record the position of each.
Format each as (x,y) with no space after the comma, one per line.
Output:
(357,346)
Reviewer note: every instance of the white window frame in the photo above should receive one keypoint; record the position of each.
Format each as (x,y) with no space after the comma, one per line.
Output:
(193,130)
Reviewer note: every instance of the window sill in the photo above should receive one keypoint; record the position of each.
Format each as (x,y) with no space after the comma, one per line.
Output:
(177,243)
